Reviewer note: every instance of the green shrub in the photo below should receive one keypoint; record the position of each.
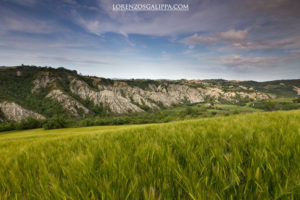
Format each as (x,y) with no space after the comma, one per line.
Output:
(297,100)
(188,111)
(55,123)
(29,123)
(7,126)
(290,106)
(269,105)
(236,112)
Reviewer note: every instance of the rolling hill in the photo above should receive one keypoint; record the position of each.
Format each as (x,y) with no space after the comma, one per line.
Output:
(45,92)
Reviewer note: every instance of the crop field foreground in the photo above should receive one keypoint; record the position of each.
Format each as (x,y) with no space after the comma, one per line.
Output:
(249,156)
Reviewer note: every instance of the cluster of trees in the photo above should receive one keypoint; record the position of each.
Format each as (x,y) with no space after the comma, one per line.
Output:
(297,100)
(273,105)
(127,119)
(32,123)
(144,83)
(160,116)
(55,123)
(29,123)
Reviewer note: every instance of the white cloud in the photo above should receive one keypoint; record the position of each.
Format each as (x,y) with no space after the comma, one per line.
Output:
(234,35)
(262,44)
(195,39)
(241,40)
(239,62)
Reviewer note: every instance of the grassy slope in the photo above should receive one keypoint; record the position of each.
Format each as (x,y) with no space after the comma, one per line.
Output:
(250,156)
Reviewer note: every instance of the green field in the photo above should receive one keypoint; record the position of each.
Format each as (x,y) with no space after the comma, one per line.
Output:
(247,156)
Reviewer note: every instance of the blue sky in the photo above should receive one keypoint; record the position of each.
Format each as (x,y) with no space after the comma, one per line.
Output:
(229,39)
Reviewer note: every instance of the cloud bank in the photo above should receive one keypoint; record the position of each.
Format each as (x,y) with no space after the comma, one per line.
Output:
(228,39)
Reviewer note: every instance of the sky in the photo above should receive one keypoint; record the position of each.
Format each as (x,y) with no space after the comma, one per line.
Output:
(229,39)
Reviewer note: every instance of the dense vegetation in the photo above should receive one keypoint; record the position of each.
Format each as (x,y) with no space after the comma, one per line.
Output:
(185,112)
(29,123)
(277,104)
(250,156)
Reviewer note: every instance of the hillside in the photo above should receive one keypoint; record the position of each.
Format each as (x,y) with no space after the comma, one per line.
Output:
(250,156)
(44,92)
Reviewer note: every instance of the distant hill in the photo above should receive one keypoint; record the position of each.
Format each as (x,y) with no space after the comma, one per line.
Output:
(43,92)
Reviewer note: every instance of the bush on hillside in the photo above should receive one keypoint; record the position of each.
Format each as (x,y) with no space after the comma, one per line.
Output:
(7,126)
(297,100)
(269,105)
(54,123)
(29,123)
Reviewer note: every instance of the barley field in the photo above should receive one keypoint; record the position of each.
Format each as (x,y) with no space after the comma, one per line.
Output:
(247,156)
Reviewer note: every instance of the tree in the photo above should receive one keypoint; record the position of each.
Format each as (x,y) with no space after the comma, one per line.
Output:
(269,105)
(297,100)
(55,122)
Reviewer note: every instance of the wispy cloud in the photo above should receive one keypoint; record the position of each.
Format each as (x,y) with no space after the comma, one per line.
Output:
(195,39)
(240,62)
(234,35)
(262,44)
(242,40)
